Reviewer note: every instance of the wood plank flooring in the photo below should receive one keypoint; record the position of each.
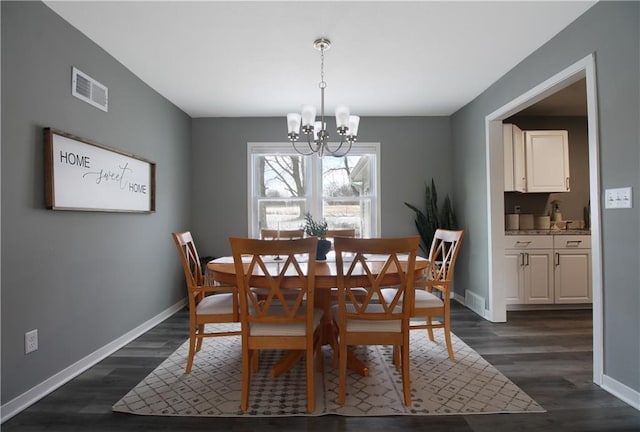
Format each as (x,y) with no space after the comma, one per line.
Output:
(547,353)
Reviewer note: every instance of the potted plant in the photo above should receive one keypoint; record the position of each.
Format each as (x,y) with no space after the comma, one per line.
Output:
(317,229)
(428,221)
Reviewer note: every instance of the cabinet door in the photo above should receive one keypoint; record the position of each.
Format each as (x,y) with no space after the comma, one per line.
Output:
(538,277)
(514,158)
(547,161)
(513,281)
(572,270)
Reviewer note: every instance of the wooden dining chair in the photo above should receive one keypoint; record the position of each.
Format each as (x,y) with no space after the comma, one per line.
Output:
(342,232)
(207,304)
(276,234)
(429,303)
(377,320)
(277,321)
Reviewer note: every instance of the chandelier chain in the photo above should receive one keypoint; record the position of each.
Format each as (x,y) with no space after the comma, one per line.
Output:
(322,83)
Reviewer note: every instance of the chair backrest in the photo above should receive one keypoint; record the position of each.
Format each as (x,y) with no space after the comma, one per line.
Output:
(275,234)
(189,258)
(346,232)
(444,253)
(256,267)
(375,264)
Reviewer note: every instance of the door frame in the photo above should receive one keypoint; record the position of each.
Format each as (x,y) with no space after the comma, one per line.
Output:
(497,311)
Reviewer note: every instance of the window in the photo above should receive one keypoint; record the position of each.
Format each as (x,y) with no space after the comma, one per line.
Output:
(284,185)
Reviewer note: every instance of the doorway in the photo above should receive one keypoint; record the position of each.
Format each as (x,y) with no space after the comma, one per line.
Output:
(583,69)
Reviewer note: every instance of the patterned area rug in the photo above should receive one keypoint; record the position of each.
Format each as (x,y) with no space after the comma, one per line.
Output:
(468,385)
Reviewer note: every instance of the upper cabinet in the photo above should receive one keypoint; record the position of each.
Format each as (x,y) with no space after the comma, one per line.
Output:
(535,161)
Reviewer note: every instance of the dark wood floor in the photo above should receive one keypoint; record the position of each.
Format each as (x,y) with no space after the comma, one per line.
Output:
(547,353)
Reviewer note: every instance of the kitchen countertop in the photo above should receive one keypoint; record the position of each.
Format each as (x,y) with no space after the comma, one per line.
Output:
(549,232)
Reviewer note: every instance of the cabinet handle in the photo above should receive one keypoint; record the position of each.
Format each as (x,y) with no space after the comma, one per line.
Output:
(522,243)
(566,183)
(557,259)
(527,258)
(573,243)
(521,260)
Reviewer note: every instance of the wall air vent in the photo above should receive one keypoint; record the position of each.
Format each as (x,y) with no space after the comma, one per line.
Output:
(89,90)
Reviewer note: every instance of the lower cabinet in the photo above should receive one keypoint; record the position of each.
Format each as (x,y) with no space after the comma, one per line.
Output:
(572,269)
(547,269)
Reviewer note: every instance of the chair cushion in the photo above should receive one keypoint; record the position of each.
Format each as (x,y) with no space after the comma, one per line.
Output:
(424,299)
(217,304)
(370,326)
(292,329)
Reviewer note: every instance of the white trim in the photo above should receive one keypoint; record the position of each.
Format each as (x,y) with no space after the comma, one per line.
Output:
(584,68)
(621,391)
(36,393)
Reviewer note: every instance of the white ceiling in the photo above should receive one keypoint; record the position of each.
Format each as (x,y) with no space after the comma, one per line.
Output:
(393,58)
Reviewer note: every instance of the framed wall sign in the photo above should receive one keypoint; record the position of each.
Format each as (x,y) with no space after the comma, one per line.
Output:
(83,175)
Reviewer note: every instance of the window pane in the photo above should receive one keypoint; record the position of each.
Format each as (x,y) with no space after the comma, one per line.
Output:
(281,214)
(348,214)
(345,177)
(280,176)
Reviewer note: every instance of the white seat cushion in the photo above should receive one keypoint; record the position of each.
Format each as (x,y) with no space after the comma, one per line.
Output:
(370,326)
(424,299)
(217,304)
(292,329)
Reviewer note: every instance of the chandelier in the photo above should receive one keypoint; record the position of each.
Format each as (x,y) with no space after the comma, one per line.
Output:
(316,131)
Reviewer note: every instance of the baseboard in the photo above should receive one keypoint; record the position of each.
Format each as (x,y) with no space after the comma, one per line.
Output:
(621,391)
(36,393)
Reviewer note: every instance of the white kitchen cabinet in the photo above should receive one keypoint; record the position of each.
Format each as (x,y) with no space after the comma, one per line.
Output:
(529,270)
(514,159)
(535,161)
(547,160)
(572,269)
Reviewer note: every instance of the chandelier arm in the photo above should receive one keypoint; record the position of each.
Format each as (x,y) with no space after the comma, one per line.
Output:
(301,152)
(336,153)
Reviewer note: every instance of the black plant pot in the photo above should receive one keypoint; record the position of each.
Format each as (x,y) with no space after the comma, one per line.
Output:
(324,246)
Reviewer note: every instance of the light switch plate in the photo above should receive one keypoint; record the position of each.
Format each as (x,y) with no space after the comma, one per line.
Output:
(618,198)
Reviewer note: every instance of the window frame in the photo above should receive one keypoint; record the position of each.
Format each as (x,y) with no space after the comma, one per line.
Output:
(313,175)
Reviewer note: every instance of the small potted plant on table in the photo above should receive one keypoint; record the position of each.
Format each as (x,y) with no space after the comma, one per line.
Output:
(317,229)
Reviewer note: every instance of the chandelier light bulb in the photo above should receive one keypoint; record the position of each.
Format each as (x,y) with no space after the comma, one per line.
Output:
(293,123)
(342,117)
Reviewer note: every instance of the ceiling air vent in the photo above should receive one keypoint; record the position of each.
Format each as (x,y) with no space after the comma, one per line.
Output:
(89,90)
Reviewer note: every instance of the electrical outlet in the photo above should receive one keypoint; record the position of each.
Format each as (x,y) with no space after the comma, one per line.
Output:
(30,341)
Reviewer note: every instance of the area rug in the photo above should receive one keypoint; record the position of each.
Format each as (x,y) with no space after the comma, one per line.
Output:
(467,385)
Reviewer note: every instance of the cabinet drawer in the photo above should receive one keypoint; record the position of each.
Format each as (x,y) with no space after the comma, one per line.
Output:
(529,242)
(572,242)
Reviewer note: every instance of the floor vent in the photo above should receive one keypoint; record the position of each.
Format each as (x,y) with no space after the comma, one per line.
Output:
(89,90)
(474,302)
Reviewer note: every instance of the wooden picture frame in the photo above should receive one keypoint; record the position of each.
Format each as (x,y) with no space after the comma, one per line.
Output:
(86,176)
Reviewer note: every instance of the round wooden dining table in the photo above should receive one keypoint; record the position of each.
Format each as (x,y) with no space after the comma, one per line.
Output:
(222,270)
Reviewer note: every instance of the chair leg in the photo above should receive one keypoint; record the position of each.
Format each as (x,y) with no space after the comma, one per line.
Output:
(246,378)
(406,378)
(255,360)
(396,357)
(310,378)
(429,329)
(342,383)
(200,338)
(447,337)
(192,352)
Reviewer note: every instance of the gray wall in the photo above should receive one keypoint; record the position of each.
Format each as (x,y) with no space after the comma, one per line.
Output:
(82,279)
(611,31)
(412,151)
